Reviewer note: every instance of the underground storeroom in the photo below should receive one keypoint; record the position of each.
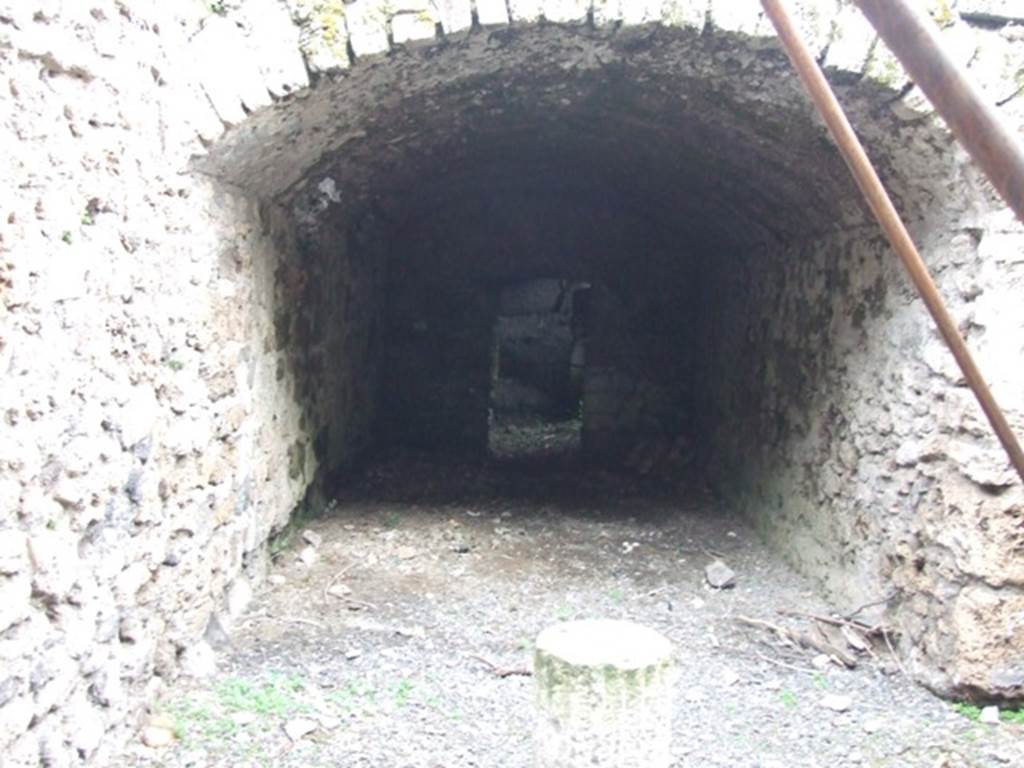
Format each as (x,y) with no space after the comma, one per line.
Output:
(347,346)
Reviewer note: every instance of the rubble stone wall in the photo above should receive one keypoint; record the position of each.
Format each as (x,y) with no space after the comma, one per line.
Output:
(152,434)
(843,428)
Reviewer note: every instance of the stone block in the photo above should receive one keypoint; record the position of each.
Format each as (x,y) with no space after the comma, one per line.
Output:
(687,14)
(323,35)
(884,68)
(230,73)
(852,41)
(998,67)
(194,107)
(411,27)
(526,11)
(455,15)
(491,13)
(274,39)
(627,12)
(745,17)
(530,297)
(566,11)
(998,11)
(814,20)
(367,22)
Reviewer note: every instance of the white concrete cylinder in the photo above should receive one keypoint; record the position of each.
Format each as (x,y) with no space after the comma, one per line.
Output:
(604,695)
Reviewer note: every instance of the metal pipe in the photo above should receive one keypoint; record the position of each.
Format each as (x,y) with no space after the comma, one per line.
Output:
(915,40)
(880,203)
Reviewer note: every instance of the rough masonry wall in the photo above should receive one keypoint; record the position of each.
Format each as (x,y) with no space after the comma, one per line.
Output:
(327,324)
(849,436)
(438,339)
(147,411)
(638,381)
(534,340)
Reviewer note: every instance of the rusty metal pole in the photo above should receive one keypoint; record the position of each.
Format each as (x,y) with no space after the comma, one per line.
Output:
(914,38)
(880,203)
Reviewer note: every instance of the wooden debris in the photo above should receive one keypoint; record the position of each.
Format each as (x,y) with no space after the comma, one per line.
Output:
(503,671)
(815,641)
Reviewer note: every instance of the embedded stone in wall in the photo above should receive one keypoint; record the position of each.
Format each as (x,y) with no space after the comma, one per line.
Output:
(414,23)
(686,14)
(526,11)
(455,15)
(852,41)
(566,11)
(744,16)
(323,34)
(367,24)
(276,45)
(991,10)
(230,71)
(491,12)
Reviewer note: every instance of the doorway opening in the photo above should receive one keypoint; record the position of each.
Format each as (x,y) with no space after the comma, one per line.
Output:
(538,362)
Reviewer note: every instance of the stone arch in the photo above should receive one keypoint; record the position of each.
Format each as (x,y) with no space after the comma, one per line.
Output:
(647,145)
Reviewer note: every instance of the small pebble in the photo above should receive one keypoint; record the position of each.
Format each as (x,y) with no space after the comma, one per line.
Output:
(836,702)
(154,736)
(873,726)
(730,677)
(299,727)
(339,590)
(719,575)
(329,722)
(989,715)
(312,538)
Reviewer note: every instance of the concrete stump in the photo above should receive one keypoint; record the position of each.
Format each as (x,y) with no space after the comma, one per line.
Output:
(604,694)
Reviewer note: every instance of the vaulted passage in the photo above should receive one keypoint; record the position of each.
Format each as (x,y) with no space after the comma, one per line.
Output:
(744,320)
(612,231)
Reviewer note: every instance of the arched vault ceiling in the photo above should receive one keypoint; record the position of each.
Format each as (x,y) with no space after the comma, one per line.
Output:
(709,137)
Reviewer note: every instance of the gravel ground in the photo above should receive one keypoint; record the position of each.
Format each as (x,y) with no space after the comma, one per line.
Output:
(431,579)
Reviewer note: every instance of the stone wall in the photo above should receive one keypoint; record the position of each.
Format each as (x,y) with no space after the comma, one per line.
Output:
(328,330)
(152,430)
(638,381)
(534,339)
(842,427)
(436,374)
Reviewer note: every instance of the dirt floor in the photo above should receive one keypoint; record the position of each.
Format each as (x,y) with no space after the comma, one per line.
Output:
(398,632)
